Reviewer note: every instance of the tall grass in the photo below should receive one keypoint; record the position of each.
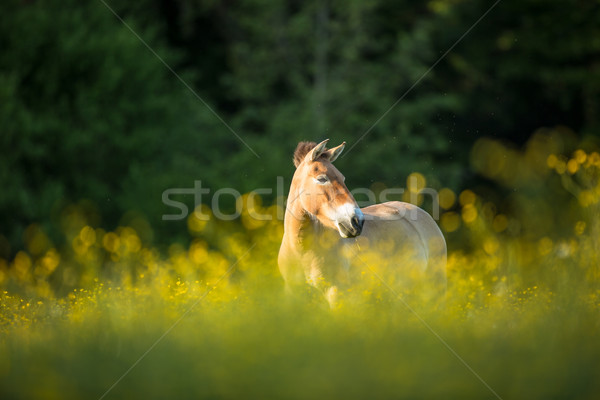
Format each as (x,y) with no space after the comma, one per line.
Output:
(108,317)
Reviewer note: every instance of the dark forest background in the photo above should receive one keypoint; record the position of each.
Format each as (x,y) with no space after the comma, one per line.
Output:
(90,116)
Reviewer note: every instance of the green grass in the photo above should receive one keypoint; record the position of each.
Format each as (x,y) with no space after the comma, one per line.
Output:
(244,339)
(107,317)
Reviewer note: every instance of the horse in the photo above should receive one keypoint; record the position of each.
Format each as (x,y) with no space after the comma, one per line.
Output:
(327,236)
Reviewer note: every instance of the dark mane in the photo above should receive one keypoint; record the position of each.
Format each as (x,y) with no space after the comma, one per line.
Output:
(301,151)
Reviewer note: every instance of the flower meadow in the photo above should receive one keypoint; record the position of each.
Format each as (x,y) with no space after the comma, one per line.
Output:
(109,316)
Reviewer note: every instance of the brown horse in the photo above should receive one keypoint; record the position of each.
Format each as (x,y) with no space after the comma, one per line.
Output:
(327,238)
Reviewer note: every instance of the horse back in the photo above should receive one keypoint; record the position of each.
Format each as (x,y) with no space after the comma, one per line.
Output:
(406,234)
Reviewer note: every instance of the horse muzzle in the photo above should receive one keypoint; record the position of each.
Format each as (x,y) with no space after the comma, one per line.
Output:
(352,226)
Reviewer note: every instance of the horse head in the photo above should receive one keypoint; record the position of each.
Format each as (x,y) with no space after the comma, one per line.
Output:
(320,189)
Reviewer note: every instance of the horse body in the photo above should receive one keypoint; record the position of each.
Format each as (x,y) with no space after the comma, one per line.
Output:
(328,239)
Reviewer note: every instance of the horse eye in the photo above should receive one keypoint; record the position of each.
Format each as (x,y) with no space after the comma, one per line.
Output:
(322,179)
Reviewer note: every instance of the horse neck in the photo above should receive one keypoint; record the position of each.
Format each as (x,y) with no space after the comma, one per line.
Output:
(295,217)
(303,232)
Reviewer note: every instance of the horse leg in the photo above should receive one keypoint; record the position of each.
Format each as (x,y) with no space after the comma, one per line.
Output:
(332,296)
(329,290)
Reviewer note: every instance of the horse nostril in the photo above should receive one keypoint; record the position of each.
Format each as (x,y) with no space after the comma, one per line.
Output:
(356,222)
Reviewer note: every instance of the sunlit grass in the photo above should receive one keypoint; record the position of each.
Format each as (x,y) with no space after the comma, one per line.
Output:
(521,316)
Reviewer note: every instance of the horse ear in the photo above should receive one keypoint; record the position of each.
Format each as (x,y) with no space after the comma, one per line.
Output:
(317,151)
(334,153)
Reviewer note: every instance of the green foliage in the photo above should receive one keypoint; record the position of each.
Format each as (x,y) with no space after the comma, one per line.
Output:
(88,112)
(94,127)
